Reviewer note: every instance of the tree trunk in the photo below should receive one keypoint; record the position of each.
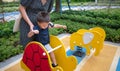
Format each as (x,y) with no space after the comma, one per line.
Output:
(1,1)
(57,6)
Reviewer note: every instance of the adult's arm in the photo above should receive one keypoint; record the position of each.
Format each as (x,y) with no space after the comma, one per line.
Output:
(22,10)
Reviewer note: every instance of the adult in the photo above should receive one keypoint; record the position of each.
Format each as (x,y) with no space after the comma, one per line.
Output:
(29,9)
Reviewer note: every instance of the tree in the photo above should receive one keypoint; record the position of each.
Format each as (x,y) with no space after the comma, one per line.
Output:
(57,5)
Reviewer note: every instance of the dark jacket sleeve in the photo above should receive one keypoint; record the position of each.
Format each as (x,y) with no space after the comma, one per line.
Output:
(25,3)
(51,5)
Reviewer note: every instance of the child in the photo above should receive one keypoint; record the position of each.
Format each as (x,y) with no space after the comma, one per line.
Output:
(41,32)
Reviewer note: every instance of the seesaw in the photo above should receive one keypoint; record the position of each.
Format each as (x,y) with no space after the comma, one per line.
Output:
(36,58)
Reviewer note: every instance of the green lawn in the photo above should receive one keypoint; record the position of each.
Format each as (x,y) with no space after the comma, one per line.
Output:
(109,21)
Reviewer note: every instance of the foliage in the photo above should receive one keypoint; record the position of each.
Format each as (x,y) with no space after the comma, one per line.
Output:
(9,41)
(86,19)
(6,29)
(82,0)
(74,20)
(9,7)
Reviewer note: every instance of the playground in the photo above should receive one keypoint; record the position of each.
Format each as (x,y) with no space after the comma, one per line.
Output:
(91,41)
(103,62)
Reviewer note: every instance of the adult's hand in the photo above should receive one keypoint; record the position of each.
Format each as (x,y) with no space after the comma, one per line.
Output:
(22,10)
(31,27)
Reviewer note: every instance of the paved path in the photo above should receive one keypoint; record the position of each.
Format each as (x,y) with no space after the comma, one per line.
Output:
(13,15)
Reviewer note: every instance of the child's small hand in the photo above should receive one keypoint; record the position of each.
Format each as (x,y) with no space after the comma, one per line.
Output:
(36,31)
(30,34)
(64,27)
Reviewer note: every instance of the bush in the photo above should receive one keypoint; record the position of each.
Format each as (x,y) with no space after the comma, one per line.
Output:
(90,20)
(10,9)
(10,4)
(111,23)
(84,19)
(9,41)
(82,0)
(74,20)
(9,51)
(112,34)
(6,29)
(73,26)
(54,31)
(113,15)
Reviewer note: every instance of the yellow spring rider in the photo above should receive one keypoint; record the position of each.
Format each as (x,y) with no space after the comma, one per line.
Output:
(36,58)
(92,38)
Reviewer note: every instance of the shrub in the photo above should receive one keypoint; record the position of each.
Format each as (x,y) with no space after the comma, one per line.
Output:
(113,15)
(74,20)
(6,29)
(90,20)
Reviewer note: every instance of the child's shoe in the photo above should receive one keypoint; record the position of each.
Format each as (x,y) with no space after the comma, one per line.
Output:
(54,65)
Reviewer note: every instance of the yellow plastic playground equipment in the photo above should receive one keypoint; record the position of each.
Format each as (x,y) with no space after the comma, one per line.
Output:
(93,37)
(36,58)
